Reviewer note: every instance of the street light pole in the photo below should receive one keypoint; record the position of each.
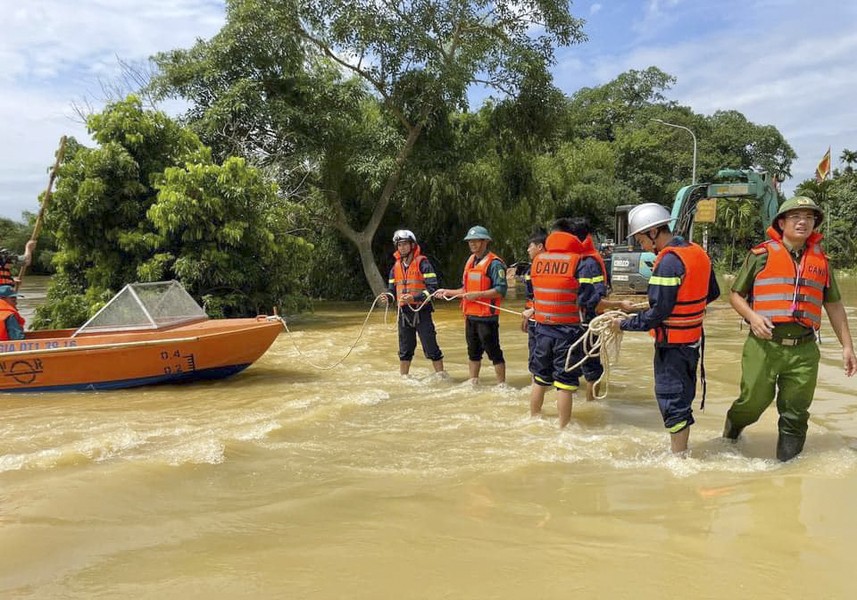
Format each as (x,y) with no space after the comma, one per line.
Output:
(687,129)
(692,174)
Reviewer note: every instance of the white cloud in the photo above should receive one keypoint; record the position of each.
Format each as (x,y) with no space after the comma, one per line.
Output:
(55,52)
(783,63)
(767,63)
(658,16)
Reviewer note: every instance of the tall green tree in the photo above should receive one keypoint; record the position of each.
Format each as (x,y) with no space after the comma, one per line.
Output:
(417,60)
(849,157)
(149,203)
(735,142)
(600,112)
(580,178)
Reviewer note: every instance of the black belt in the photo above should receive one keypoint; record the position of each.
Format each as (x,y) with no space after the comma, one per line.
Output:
(810,337)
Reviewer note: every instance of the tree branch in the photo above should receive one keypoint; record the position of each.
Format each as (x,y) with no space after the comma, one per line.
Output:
(395,175)
(379,87)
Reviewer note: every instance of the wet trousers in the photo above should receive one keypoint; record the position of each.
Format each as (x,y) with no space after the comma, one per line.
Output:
(592,367)
(770,370)
(413,323)
(675,384)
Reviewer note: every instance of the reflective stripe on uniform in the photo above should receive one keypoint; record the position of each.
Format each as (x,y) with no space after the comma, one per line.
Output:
(665,281)
(565,386)
(677,427)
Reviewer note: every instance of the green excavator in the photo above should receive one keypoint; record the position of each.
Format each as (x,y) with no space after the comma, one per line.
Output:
(630,267)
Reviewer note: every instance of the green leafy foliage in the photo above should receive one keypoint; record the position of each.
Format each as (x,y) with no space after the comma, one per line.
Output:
(359,111)
(838,198)
(410,62)
(150,204)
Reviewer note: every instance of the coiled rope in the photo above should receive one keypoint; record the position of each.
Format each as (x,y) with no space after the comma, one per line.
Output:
(600,340)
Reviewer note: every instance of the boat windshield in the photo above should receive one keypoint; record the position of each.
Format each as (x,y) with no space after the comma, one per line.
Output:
(145,306)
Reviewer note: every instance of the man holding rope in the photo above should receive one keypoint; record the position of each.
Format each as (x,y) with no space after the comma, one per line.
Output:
(483,289)
(681,286)
(556,275)
(564,279)
(412,282)
(593,299)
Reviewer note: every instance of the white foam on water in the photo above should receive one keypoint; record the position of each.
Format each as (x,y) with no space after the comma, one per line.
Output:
(197,451)
(369,397)
(256,431)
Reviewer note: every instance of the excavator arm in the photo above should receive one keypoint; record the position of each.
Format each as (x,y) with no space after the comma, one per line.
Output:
(729,183)
(631,267)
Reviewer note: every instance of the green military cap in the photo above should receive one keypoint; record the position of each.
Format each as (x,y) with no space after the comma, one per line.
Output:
(477,232)
(797,203)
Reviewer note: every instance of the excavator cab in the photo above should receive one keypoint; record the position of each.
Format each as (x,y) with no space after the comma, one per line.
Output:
(631,267)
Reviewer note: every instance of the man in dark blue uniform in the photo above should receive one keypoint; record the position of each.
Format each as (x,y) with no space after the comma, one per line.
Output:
(412,282)
(682,284)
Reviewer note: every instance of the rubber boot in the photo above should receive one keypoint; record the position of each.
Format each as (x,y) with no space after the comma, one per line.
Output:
(730,431)
(789,446)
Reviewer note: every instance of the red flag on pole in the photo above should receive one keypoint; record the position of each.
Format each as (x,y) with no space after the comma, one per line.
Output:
(823,168)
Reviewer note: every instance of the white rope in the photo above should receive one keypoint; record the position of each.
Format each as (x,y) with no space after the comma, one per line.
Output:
(350,349)
(421,305)
(390,298)
(514,312)
(600,340)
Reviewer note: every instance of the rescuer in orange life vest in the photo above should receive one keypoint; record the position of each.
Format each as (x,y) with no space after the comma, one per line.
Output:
(483,289)
(567,283)
(412,282)
(681,286)
(11,321)
(780,290)
(7,258)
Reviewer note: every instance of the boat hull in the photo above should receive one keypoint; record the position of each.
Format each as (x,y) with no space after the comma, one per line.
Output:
(55,361)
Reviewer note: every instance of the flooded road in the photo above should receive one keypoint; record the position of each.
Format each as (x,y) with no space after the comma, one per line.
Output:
(291,481)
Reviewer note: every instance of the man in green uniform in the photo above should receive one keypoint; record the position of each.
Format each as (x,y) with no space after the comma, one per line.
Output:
(779,291)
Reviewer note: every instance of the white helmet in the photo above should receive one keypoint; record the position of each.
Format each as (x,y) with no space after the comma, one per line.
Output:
(404,235)
(645,216)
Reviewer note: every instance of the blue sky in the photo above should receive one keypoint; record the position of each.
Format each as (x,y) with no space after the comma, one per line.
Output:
(780,62)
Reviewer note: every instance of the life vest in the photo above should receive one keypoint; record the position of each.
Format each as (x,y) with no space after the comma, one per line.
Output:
(6,311)
(589,250)
(476,279)
(684,324)
(411,280)
(6,275)
(555,285)
(789,293)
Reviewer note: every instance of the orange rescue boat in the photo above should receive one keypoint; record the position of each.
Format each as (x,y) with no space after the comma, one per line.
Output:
(148,333)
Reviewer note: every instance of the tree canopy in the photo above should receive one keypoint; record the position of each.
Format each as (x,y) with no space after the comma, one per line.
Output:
(149,204)
(416,59)
(314,129)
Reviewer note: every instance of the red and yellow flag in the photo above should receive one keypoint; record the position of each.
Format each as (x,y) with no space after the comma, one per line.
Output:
(823,168)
